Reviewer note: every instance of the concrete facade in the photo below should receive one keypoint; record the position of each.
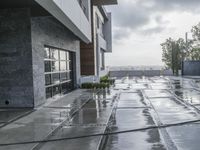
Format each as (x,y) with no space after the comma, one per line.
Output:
(26,28)
(16,77)
(48,31)
(93,62)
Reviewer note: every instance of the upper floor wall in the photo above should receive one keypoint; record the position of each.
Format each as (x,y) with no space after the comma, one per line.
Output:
(74,14)
(103,28)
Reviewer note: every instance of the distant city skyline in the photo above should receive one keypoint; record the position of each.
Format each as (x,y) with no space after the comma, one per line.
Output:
(140,26)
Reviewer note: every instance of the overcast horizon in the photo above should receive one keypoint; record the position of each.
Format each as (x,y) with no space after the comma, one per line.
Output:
(140,26)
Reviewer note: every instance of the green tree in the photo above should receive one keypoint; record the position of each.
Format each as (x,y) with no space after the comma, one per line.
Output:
(196,32)
(173,52)
(195,53)
(167,52)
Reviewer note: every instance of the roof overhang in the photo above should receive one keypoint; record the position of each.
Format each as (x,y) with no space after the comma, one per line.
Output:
(103,12)
(105,2)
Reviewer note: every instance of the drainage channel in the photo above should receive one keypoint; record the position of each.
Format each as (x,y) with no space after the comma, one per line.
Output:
(110,132)
(39,145)
(104,138)
(170,145)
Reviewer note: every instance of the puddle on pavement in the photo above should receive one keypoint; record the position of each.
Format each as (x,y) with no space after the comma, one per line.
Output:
(98,104)
(157,93)
(144,140)
(121,86)
(127,119)
(139,86)
(181,83)
(46,116)
(172,111)
(130,96)
(189,95)
(160,80)
(159,86)
(107,94)
(90,143)
(131,112)
(90,116)
(144,80)
(131,99)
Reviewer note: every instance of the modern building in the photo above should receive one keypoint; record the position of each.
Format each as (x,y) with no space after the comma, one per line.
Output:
(93,54)
(40,48)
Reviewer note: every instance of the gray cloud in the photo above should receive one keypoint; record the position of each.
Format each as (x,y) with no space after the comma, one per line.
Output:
(178,5)
(153,30)
(132,17)
(120,34)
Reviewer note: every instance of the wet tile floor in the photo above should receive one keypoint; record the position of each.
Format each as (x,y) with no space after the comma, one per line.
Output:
(132,104)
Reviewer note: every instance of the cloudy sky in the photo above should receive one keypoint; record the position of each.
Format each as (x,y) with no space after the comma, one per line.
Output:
(139,26)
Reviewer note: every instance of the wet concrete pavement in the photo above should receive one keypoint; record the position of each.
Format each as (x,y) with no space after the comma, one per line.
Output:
(132,104)
(156,101)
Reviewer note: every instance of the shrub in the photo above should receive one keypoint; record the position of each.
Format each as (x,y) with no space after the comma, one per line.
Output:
(95,85)
(106,79)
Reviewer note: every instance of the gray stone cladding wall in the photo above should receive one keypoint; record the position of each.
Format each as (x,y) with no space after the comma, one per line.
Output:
(48,31)
(191,68)
(22,41)
(16,79)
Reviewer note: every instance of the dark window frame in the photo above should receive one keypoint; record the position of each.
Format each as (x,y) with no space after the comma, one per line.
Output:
(60,81)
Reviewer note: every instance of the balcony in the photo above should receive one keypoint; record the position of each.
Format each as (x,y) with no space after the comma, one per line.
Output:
(71,15)
(102,42)
(83,7)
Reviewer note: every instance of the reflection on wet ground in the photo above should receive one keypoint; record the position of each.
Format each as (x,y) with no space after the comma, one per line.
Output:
(157,93)
(172,111)
(189,95)
(133,103)
(7,115)
(144,140)
(156,100)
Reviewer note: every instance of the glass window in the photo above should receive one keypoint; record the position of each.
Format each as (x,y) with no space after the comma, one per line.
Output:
(67,55)
(70,56)
(48,92)
(57,71)
(97,21)
(47,79)
(63,55)
(55,54)
(55,78)
(63,76)
(47,66)
(70,65)
(56,89)
(64,88)
(63,66)
(68,75)
(47,53)
(55,66)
